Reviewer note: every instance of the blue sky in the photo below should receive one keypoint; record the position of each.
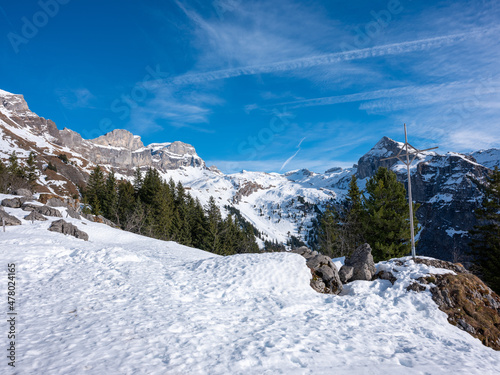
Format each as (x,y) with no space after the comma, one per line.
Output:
(261,85)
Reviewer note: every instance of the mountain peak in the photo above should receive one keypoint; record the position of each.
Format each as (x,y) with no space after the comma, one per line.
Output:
(13,102)
(119,138)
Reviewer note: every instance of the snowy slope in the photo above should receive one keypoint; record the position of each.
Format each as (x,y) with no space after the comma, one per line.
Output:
(489,158)
(126,304)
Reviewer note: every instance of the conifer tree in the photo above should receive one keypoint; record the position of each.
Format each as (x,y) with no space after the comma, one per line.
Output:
(214,221)
(328,235)
(96,190)
(126,201)
(386,224)
(485,244)
(137,179)
(14,168)
(31,168)
(110,198)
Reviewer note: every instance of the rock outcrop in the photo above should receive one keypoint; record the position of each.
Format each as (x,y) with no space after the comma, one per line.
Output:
(469,303)
(325,276)
(446,188)
(35,216)
(8,219)
(44,210)
(64,227)
(359,266)
(13,202)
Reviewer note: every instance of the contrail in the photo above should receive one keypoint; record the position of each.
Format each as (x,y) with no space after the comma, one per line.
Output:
(294,155)
(289,159)
(326,59)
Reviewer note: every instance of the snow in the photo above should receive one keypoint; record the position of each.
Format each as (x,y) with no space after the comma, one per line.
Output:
(489,158)
(5,93)
(451,232)
(125,304)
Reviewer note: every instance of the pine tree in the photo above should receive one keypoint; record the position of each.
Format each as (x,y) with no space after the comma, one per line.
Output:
(328,235)
(137,179)
(96,190)
(14,168)
(126,201)
(214,221)
(386,224)
(31,168)
(110,198)
(485,245)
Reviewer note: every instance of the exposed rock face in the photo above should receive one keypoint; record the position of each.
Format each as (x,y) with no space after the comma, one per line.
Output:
(35,216)
(44,210)
(468,302)
(13,202)
(64,227)
(25,193)
(369,163)
(445,188)
(56,201)
(72,213)
(361,262)
(22,116)
(120,138)
(8,219)
(325,276)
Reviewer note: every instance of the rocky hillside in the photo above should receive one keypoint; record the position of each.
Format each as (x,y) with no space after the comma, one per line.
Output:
(278,205)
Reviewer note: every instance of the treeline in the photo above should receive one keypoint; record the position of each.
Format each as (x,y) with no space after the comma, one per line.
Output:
(15,175)
(379,217)
(485,245)
(164,210)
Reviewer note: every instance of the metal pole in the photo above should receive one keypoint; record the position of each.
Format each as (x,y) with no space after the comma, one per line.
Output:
(408,162)
(410,200)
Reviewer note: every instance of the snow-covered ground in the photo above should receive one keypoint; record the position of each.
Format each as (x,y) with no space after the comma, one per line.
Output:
(126,304)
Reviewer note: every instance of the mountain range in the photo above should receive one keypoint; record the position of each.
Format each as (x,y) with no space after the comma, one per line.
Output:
(278,205)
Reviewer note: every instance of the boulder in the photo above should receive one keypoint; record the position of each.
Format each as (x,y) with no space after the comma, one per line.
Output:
(24,193)
(64,227)
(72,213)
(57,201)
(325,276)
(13,202)
(35,216)
(346,273)
(362,263)
(8,219)
(385,275)
(44,210)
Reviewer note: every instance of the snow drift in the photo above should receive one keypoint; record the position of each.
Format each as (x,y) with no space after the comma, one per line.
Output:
(125,304)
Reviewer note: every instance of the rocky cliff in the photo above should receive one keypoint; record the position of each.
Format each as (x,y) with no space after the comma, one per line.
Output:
(445,186)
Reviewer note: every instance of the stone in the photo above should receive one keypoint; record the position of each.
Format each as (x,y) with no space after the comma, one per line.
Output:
(35,216)
(416,287)
(13,202)
(64,227)
(8,219)
(57,201)
(362,262)
(346,273)
(325,276)
(24,193)
(44,210)
(304,251)
(385,275)
(72,213)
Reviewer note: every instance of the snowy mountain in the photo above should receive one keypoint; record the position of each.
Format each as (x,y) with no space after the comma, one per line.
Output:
(121,303)
(278,205)
(489,158)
